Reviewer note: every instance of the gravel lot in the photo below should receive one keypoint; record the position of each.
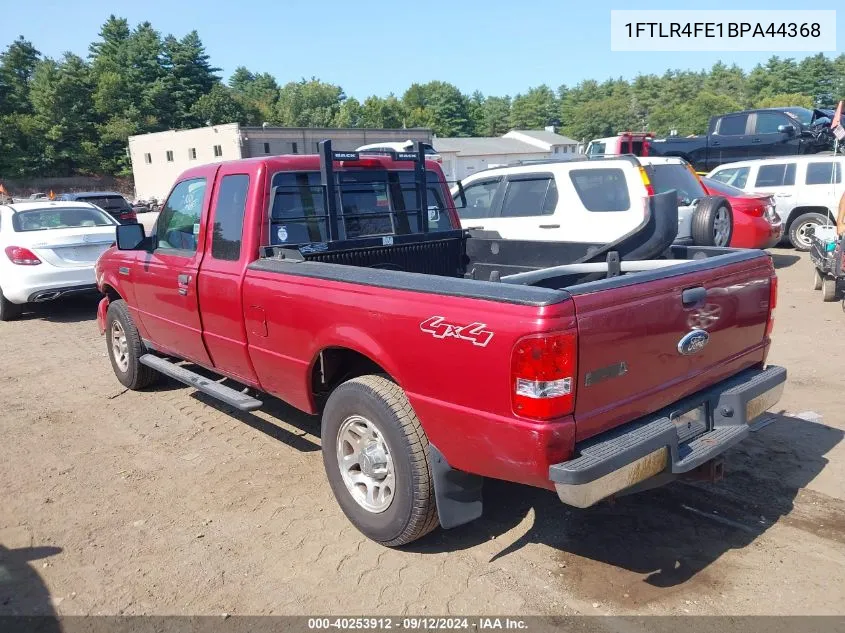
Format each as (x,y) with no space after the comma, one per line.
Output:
(164,502)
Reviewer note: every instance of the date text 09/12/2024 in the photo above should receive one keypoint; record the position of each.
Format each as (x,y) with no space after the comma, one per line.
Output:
(722,29)
(417,623)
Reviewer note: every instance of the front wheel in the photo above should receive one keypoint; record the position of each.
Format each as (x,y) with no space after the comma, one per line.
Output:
(375,453)
(799,235)
(125,348)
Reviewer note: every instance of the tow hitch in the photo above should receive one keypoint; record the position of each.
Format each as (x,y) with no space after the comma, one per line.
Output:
(711,471)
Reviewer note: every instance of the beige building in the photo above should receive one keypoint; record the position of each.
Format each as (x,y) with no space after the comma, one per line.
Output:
(159,158)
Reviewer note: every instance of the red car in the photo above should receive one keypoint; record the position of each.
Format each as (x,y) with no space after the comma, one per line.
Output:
(756,225)
(343,285)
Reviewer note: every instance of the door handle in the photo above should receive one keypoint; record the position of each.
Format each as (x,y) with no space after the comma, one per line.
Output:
(183,291)
(714,142)
(550,226)
(693,296)
(756,140)
(783,195)
(475,228)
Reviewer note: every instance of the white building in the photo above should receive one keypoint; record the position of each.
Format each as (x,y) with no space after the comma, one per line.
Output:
(159,158)
(465,156)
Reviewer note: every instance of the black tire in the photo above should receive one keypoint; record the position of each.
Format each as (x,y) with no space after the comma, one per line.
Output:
(818,280)
(8,310)
(704,222)
(412,513)
(829,289)
(798,227)
(135,375)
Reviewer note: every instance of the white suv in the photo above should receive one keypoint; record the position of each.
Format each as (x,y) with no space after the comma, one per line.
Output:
(807,189)
(593,201)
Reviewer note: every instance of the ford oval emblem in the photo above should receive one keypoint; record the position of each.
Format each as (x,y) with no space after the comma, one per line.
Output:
(693,342)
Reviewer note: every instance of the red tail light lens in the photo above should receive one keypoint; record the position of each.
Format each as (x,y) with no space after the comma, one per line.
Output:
(22,256)
(773,302)
(543,375)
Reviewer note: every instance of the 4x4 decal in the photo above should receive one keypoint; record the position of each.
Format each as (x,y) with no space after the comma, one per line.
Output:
(438,327)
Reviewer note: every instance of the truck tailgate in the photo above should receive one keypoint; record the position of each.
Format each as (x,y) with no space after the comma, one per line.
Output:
(634,355)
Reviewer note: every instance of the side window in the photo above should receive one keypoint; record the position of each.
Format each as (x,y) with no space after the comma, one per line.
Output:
(779,175)
(823,173)
(734,176)
(733,125)
(768,122)
(479,197)
(179,222)
(601,189)
(526,197)
(229,217)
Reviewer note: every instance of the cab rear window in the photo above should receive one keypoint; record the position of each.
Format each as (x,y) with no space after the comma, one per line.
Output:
(372,202)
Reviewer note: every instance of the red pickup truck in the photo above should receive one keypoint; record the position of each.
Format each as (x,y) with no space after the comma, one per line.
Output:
(342,284)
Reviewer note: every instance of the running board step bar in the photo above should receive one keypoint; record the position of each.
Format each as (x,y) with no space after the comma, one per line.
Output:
(239,400)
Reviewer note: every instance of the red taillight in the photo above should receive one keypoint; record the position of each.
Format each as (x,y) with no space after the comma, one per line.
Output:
(543,375)
(758,210)
(22,256)
(773,302)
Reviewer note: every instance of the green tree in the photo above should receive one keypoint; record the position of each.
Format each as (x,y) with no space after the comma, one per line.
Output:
(309,103)
(438,105)
(17,64)
(382,113)
(534,110)
(220,105)
(62,99)
(495,116)
(188,76)
(350,114)
(259,93)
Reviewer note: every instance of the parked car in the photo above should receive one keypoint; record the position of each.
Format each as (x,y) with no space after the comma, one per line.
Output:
(806,189)
(111,202)
(751,135)
(590,201)
(49,249)
(636,143)
(756,223)
(38,196)
(345,287)
(401,146)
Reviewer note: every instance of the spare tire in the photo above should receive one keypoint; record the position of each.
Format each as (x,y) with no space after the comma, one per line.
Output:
(712,222)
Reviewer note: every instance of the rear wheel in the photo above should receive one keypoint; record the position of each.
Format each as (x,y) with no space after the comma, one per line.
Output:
(818,280)
(798,234)
(125,348)
(8,310)
(712,222)
(375,453)
(829,289)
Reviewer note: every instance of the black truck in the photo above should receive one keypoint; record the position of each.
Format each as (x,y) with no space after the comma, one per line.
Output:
(752,134)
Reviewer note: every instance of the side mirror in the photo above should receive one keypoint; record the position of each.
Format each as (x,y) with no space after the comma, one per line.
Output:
(460,197)
(786,129)
(131,237)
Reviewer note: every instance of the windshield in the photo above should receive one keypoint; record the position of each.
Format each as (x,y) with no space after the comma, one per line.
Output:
(59,218)
(803,115)
(596,149)
(676,176)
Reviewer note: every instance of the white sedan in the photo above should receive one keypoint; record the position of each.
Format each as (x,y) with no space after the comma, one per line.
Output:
(48,250)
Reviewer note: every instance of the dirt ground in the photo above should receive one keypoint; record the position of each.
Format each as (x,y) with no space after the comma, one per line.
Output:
(163,502)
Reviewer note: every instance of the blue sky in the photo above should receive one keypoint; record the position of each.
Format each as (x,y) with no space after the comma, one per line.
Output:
(377,47)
